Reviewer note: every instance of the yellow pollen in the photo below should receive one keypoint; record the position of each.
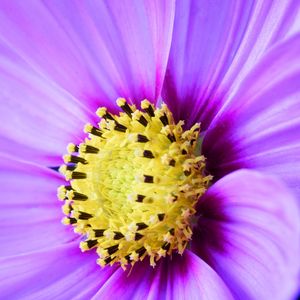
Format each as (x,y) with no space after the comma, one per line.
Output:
(133,184)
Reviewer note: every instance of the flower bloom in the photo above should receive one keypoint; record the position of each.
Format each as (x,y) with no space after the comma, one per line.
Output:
(232,66)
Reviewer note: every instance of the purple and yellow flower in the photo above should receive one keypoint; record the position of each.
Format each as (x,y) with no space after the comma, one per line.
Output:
(186,187)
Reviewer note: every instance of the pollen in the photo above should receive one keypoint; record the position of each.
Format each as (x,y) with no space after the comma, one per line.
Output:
(133,184)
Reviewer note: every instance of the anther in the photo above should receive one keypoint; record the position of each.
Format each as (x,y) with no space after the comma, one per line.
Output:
(99,232)
(171,138)
(146,106)
(77,196)
(74,159)
(141,251)
(72,148)
(84,216)
(140,198)
(148,154)
(89,149)
(78,175)
(120,127)
(112,249)
(141,226)
(164,119)
(142,138)
(121,102)
(160,217)
(102,113)
(138,236)
(166,246)
(91,243)
(148,179)
(172,162)
(118,235)
(93,130)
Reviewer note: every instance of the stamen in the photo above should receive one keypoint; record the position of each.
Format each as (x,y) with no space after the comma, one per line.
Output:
(133,185)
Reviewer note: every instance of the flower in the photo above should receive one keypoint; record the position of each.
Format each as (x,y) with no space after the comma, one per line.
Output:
(233,66)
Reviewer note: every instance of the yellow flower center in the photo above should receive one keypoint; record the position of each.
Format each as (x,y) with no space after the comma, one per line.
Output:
(133,184)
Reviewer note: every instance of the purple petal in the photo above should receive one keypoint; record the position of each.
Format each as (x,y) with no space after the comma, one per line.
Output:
(30,212)
(214,45)
(61,60)
(58,273)
(186,277)
(260,127)
(248,232)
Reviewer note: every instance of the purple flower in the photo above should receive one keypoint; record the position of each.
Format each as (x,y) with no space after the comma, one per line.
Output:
(234,66)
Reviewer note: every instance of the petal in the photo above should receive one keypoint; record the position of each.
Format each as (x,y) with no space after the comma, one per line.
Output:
(214,45)
(186,277)
(248,232)
(260,127)
(58,273)
(66,59)
(30,212)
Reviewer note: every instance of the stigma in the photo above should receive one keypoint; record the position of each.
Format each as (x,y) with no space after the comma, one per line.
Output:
(133,184)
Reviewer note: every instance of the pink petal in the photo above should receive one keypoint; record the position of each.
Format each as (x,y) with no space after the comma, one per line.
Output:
(215,44)
(186,277)
(30,211)
(59,273)
(59,61)
(248,232)
(260,127)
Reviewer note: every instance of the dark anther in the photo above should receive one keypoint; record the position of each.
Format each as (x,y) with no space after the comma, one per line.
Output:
(148,154)
(148,179)
(70,167)
(73,220)
(79,196)
(141,226)
(96,131)
(68,187)
(118,235)
(78,175)
(91,149)
(141,251)
(99,232)
(149,110)
(138,236)
(112,249)
(187,173)
(107,116)
(143,121)
(76,159)
(160,217)
(76,148)
(172,231)
(184,151)
(84,215)
(140,198)
(108,260)
(120,127)
(166,246)
(142,138)
(127,257)
(171,137)
(126,108)
(164,119)
(91,243)
(172,163)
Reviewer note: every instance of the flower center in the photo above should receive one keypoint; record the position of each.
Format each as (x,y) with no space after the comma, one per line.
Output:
(133,184)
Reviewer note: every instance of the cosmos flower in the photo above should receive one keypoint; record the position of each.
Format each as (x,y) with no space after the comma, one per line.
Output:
(232,66)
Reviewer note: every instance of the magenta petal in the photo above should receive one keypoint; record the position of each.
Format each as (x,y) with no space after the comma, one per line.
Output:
(248,232)
(59,61)
(214,45)
(260,127)
(95,50)
(186,277)
(58,273)
(30,211)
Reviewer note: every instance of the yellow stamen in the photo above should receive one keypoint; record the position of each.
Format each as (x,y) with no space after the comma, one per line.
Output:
(133,184)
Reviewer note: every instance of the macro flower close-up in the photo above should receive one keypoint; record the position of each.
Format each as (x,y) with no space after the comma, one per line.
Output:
(150,149)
